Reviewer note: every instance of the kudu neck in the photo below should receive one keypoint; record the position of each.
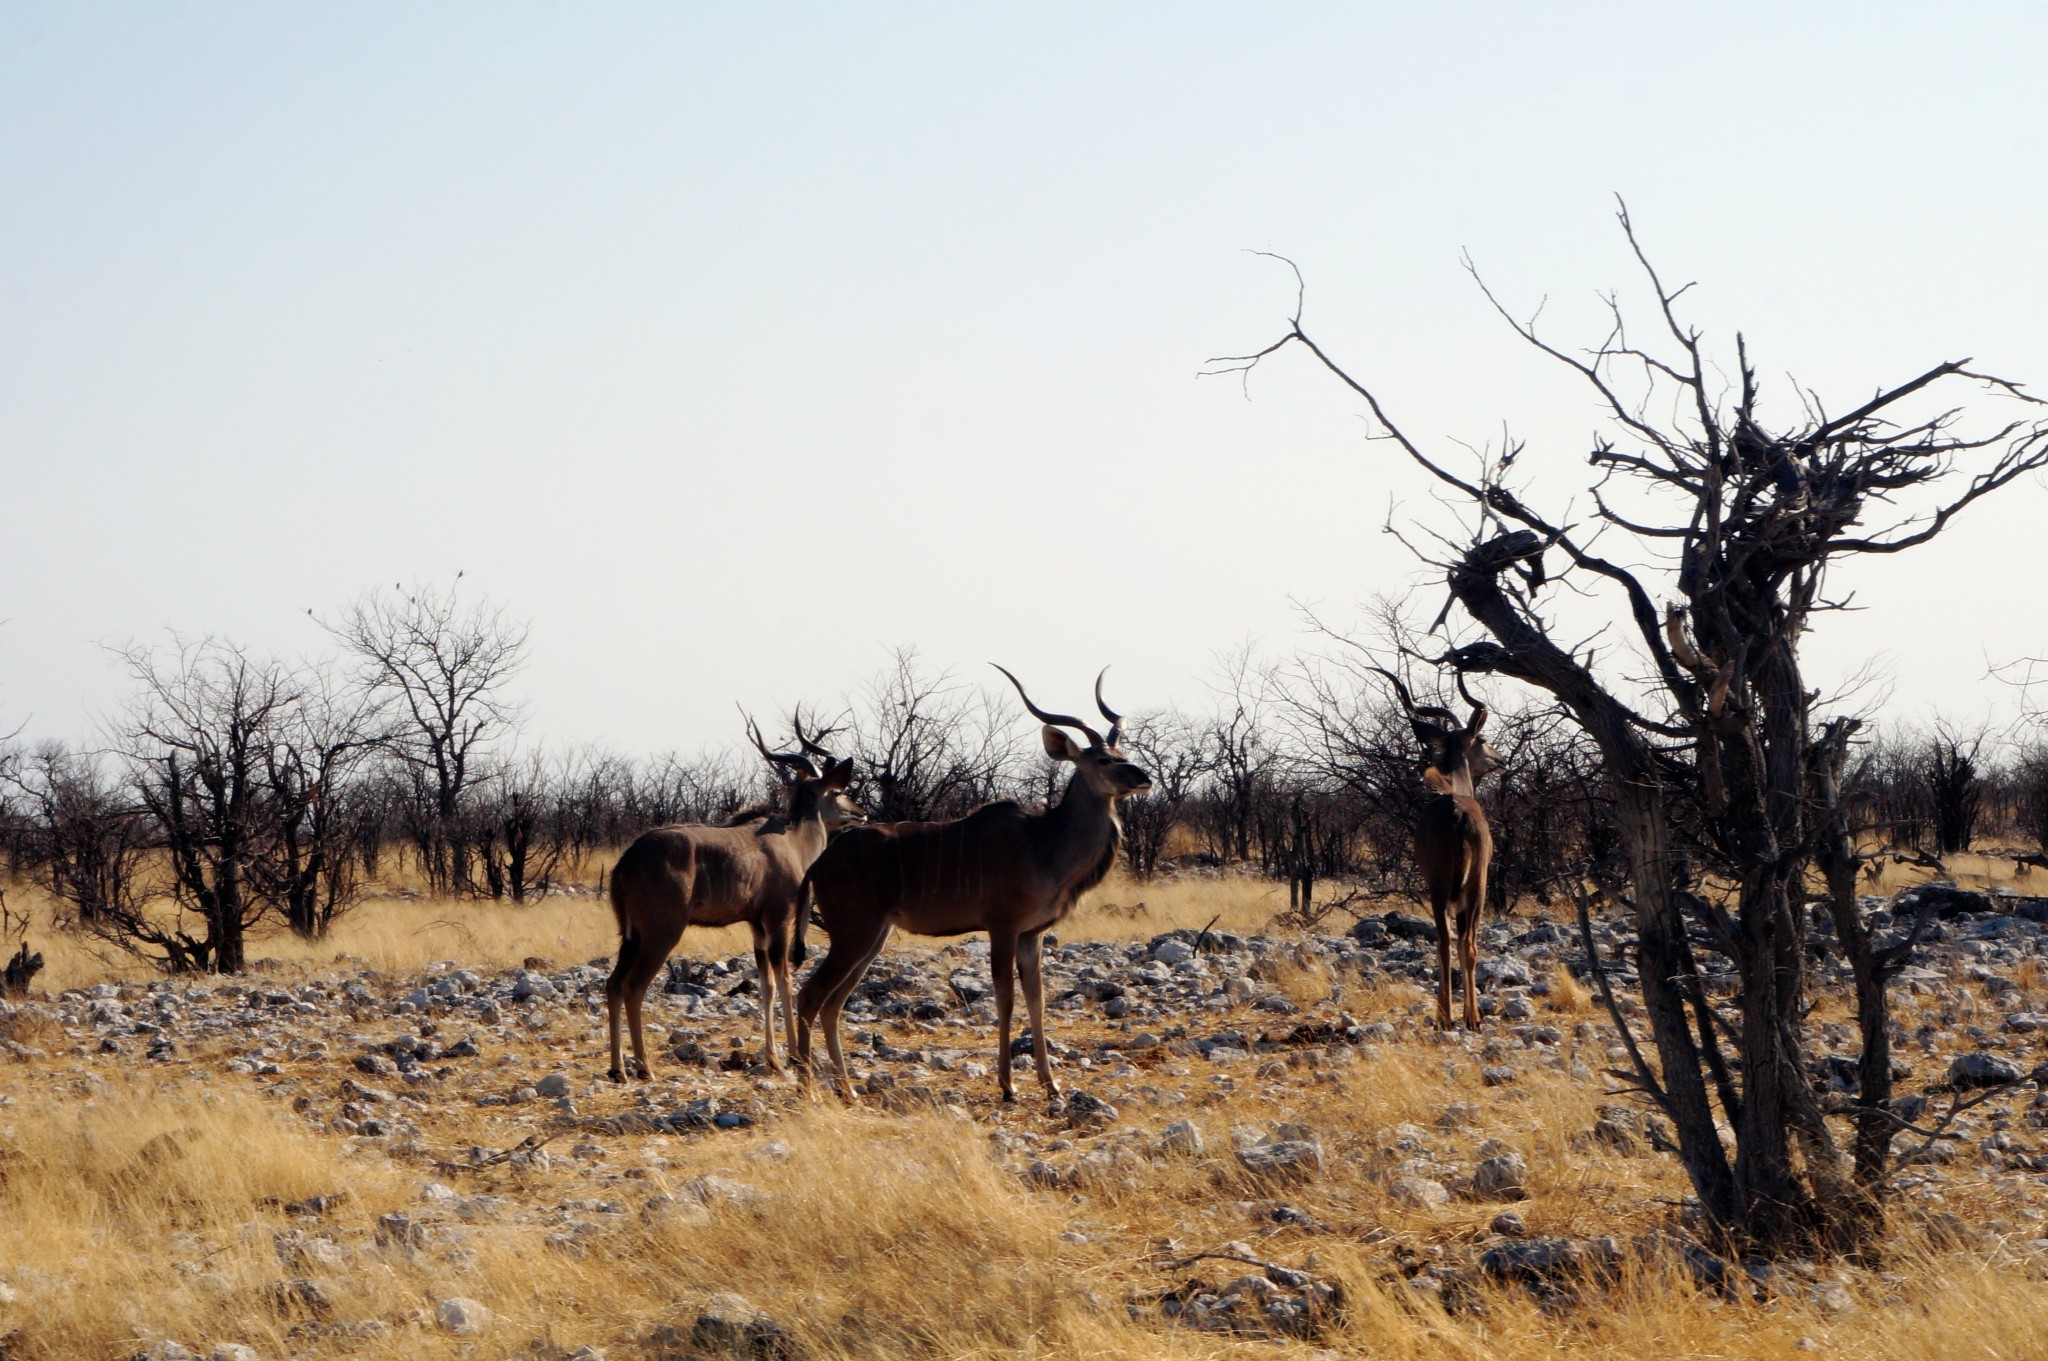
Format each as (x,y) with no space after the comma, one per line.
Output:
(1457,779)
(806,815)
(1080,806)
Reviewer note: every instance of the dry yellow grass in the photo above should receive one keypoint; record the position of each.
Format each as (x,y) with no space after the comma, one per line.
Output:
(1123,909)
(158,1201)
(393,933)
(156,1198)
(386,933)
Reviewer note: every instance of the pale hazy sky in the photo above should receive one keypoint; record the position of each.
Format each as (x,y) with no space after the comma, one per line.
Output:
(734,344)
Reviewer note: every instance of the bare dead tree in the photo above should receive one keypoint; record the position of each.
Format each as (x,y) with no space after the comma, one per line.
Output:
(671,788)
(83,835)
(1245,755)
(1724,778)
(515,827)
(1178,751)
(2030,781)
(1950,767)
(442,664)
(198,739)
(927,746)
(319,806)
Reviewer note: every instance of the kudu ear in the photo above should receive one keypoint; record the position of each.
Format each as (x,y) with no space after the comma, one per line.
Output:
(1478,721)
(1058,745)
(838,775)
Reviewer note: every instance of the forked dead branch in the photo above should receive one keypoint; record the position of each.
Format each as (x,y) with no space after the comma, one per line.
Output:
(1723,767)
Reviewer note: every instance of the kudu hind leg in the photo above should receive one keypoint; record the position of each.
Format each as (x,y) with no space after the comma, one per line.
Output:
(834,981)
(1031,973)
(1443,960)
(1468,936)
(615,995)
(788,991)
(653,953)
(1002,962)
(764,978)
(778,961)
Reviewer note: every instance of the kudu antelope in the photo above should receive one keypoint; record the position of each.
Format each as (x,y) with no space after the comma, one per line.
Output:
(1000,869)
(1453,843)
(747,871)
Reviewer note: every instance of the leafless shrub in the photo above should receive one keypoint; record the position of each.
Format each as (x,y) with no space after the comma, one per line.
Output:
(441,665)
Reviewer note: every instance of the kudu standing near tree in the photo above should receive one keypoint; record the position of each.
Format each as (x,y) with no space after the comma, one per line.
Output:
(1453,843)
(1724,772)
(674,877)
(1000,869)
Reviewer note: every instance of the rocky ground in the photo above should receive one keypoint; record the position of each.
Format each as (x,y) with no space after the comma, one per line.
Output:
(484,1091)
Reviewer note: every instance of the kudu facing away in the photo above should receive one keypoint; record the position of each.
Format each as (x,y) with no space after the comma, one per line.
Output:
(1453,844)
(748,871)
(1000,869)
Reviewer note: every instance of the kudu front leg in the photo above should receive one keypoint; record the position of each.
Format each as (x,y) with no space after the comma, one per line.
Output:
(1002,960)
(788,1006)
(764,975)
(1031,974)
(1468,950)
(1443,969)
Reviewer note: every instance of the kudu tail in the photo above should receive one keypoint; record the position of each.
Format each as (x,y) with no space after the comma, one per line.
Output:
(629,939)
(619,908)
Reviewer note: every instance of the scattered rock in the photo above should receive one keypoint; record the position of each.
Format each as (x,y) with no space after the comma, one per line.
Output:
(1983,1070)
(1547,1259)
(462,1316)
(1283,1160)
(1831,1298)
(1943,900)
(530,985)
(1181,1138)
(717,1190)
(1504,1177)
(728,1325)
(1401,926)
(1419,1193)
(1081,1110)
(553,1085)
(1503,971)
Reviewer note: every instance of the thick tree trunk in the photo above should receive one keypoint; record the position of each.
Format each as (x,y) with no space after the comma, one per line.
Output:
(1661,952)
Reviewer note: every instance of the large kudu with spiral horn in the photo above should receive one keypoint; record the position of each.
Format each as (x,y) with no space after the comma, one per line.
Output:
(1453,843)
(1000,869)
(747,871)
